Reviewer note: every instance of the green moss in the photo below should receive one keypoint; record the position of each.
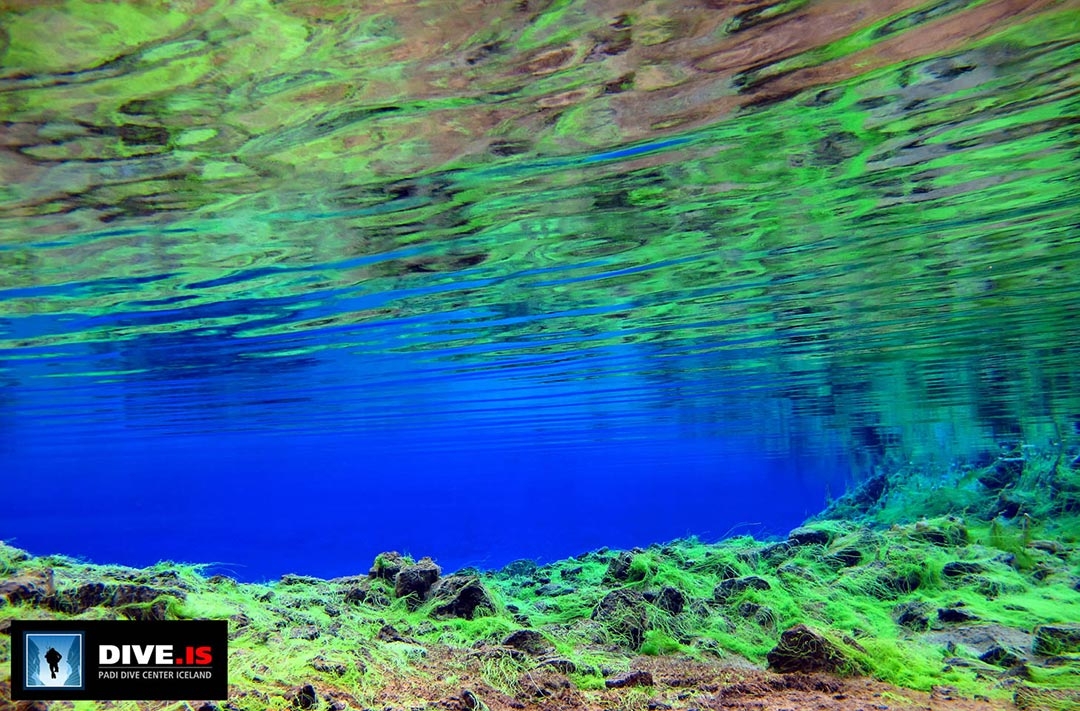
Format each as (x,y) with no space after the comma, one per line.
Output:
(658,642)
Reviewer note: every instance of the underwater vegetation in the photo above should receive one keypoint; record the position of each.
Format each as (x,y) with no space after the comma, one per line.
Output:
(975,604)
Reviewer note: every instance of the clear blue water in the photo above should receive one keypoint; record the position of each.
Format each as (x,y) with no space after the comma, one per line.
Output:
(286,287)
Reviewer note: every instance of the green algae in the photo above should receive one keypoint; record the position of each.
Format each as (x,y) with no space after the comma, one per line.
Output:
(279,632)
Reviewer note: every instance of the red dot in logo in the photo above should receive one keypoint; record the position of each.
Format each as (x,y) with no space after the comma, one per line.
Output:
(179,660)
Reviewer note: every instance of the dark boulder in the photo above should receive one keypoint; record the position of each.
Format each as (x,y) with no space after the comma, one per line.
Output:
(529,641)
(775,553)
(414,581)
(621,568)
(625,613)
(635,677)
(759,614)
(304,697)
(521,568)
(955,614)
(368,592)
(912,615)
(960,569)
(461,596)
(845,557)
(31,587)
(1000,656)
(805,651)
(804,536)
(387,566)
(1053,640)
(671,600)
(135,602)
(553,590)
(736,586)
(946,532)
(1004,472)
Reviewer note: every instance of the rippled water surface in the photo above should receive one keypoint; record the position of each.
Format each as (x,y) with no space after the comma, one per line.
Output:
(500,244)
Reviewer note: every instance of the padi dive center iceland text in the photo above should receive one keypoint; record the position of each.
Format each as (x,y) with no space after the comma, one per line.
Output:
(104,660)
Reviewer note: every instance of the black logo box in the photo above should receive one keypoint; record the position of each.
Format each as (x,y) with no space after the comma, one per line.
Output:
(148,684)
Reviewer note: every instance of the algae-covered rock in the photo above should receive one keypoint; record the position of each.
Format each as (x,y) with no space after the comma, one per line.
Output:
(415,581)
(803,650)
(304,697)
(1002,473)
(521,568)
(736,586)
(847,557)
(622,567)
(759,614)
(960,569)
(955,614)
(912,615)
(387,566)
(993,644)
(30,587)
(529,641)
(805,536)
(1053,640)
(943,532)
(461,596)
(670,599)
(635,677)
(136,602)
(625,613)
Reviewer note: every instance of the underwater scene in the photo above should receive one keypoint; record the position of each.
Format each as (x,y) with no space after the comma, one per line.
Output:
(471,355)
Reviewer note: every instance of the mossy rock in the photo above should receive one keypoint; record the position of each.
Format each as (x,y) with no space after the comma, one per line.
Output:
(461,596)
(625,613)
(803,650)
(733,587)
(1055,640)
(414,582)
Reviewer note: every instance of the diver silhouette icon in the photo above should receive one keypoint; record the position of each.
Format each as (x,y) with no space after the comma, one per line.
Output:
(53,658)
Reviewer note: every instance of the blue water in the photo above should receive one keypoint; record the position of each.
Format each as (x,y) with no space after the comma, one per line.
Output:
(285,288)
(259,506)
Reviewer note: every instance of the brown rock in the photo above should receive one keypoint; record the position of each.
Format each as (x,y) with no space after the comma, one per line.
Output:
(635,677)
(32,586)
(801,649)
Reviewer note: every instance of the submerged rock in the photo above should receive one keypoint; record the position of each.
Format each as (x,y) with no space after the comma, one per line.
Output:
(521,568)
(735,586)
(625,613)
(1052,640)
(621,567)
(415,581)
(847,557)
(954,614)
(1004,472)
(529,641)
(636,677)
(940,532)
(461,596)
(992,644)
(669,599)
(31,587)
(387,566)
(135,602)
(959,569)
(803,650)
(912,615)
(805,536)
(304,697)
